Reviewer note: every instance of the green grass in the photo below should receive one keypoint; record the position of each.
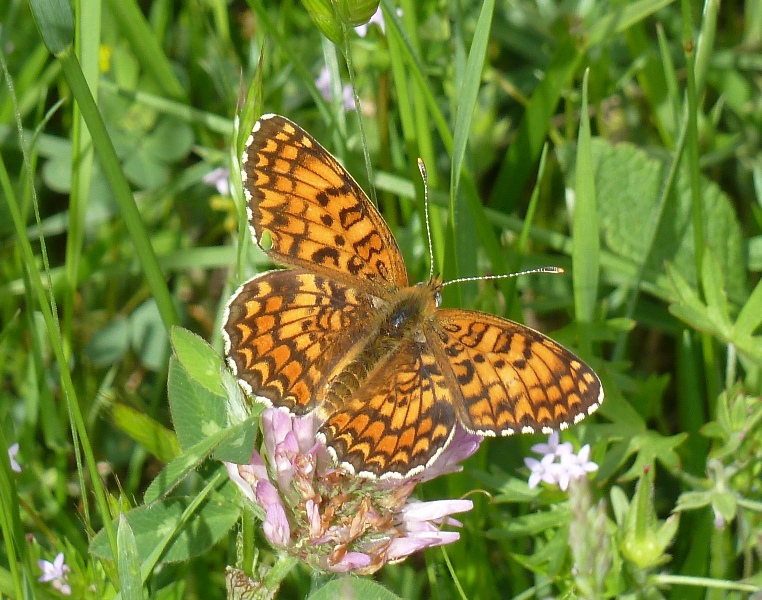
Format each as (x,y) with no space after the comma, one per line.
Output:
(648,194)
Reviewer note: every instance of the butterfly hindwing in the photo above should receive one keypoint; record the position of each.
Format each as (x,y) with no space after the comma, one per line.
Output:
(399,420)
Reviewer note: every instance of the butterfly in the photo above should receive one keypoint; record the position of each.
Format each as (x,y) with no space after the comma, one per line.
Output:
(342,332)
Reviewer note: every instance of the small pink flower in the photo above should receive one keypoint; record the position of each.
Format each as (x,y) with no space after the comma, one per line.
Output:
(579,465)
(220,179)
(313,518)
(553,446)
(332,519)
(569,465)
(267,494)
(247,476)
(542,470)
(435,510)
(12,452)
(56,573)
(325,86)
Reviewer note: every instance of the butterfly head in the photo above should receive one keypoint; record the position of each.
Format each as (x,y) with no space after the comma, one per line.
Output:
(435,286)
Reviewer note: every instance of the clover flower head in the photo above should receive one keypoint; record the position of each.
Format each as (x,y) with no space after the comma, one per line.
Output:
(332,519)
(559,464)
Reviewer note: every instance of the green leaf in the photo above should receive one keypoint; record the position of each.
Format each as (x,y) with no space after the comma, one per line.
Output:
(148,336)
(714,292)
(149,433)
(547,558)
(736,415)
(619,504)
(55,20)
(151,524)
(198,359)
(170,141)
(352,587)
(650,447)
(712,317)
(586,248)
(750,316)
(724,502)
(109,344)
(512,490)
(688,305)
(144,44)
(635,179)
(332,17)
(197,413)
(624,16)
(693,500)
(130,583)
(462,221)
(532,524)
(182,466)
(144,171)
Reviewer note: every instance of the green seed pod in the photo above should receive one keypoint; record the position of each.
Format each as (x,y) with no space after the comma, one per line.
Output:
(329,15)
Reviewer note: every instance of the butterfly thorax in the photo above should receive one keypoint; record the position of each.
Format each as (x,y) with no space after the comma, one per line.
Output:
(401,321)
(407,311)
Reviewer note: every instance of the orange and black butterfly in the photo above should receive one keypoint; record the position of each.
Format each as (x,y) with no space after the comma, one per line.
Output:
(343,333)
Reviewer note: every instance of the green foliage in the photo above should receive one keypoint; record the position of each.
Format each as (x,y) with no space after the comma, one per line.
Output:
(165,524)
(648,193)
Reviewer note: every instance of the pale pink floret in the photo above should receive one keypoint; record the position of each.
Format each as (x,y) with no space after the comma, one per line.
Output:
(435,511)
(351,561)
(276,527)
(542,470)
(462,446)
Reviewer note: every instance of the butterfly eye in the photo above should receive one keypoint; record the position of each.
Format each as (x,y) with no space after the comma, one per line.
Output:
(438,298)
(398,320)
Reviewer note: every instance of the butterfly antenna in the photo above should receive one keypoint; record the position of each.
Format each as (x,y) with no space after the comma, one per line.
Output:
(424,176)
(505,276)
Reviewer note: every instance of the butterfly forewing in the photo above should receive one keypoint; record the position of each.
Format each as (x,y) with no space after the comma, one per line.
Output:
(287,330)
(512,378)
(317,216)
